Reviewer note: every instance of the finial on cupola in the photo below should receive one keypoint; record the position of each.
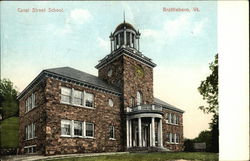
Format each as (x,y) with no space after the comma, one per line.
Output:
(123,16)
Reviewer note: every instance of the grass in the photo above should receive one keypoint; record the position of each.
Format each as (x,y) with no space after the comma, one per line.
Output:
(9,132)
(198,156)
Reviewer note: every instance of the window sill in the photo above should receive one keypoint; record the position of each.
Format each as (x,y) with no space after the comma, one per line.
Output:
(30,139)
(82,137)
(89,137)
(173,143)
(66,103)
(66,136)
(30,110)
(171,123)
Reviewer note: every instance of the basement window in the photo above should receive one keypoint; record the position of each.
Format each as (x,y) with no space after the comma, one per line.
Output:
(30,149)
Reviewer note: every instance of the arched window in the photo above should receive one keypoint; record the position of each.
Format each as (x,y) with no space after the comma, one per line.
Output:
(139,98)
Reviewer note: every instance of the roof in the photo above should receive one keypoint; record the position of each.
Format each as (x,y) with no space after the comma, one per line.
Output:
(125,51)
(82,76)
(124,24)
(167,105)
(72,75)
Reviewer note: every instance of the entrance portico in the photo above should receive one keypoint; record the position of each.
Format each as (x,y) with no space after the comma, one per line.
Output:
(144,126)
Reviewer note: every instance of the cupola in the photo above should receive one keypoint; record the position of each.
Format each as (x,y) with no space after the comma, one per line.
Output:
(126,36)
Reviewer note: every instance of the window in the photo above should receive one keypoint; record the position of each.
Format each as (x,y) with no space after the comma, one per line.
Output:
(111,103)
(30,131)
(177,138)
(71,128)
(78,97)
(173,138)
(167,117)
(77,128)
(168,137)
(30,102)
(111,132)
(66,95)
(89,100)
(132,101)
(110,72)
(89,129)
(177,120)
(30,149)
(174,119)
(65,127)
(139,98)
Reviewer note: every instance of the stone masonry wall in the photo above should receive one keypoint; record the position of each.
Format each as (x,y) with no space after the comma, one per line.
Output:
(102,116)
(124,76)
(178,129)
(134,83)
(117,72)
(37,116)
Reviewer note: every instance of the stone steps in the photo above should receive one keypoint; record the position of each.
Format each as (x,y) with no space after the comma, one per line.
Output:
(147,149)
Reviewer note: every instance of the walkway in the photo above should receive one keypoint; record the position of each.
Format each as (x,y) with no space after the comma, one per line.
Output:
(40,157)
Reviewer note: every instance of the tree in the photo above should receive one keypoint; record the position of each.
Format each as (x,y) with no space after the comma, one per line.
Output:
(8,99)
(209,90)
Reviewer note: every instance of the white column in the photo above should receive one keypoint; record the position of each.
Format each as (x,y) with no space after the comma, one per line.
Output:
(130,39)
(150,134)
(153,131)
(125,40)
(139,131)
(130,133)
(72,128)
(119,40)
(135,46)
(115,43)
(127,125)
(84,129)
(111,46)
(160,133)
(138,44)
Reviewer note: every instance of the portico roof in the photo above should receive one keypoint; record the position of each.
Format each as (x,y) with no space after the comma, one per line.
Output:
(167,105)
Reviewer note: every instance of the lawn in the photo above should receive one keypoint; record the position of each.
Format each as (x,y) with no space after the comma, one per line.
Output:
(9,132)
(198,156)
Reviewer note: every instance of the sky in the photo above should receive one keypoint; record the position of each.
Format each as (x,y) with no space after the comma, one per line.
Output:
(182,44)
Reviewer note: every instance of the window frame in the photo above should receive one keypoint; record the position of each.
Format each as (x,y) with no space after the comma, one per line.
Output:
(111,102)
(30,102)
(86,99)
(66,122)
(81,128)
(112,130)
(139,98)
(93,130)
(32,149)
(83,98)
(30,131)
(64,95)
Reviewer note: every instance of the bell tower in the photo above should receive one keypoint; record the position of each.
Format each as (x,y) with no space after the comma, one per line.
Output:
(127,68)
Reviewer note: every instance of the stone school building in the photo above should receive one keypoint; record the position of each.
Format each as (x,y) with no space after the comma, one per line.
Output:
(65,110)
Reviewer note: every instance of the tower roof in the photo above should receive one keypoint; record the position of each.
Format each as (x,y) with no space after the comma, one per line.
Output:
(125,24)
